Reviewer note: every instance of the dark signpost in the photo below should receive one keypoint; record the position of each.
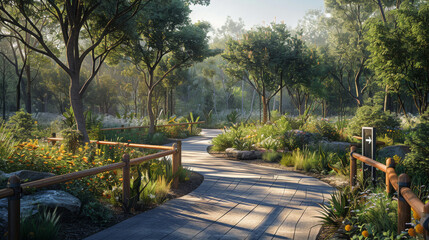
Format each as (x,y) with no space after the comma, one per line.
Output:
(368,150)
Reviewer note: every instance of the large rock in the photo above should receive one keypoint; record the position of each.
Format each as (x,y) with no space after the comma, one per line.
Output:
(335,146)
(250,155)
(63,201)
(390,151)
(243,155)
(28,175)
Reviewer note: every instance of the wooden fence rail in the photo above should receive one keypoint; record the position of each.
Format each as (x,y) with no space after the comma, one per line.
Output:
(406,197)
(15,189)
(166,125)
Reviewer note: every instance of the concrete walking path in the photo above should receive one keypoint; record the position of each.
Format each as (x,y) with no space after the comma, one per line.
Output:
(235,201)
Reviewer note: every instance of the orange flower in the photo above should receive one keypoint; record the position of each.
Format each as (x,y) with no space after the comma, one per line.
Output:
(365,233)
(101,177)
(60,158)
(348,228)
(412,232)
(11,161)
(45,162)
(415,215)
(120,179)
(419,228)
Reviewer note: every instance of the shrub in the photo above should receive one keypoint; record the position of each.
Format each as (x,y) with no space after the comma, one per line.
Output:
(324,129)
(380,212)
(417,162)
(295,139)
(222,141)
(372,116)
(232,117)
(7,142)
(271,157)
(72,139)
(158,139)
(42,226)
(21,125)
(97,212)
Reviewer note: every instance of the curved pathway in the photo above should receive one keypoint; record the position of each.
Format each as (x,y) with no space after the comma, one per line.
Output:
(235,201)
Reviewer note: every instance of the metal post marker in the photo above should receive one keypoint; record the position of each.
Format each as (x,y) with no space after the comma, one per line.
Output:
(368,150)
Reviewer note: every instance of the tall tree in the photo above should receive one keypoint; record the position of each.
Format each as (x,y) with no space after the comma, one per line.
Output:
(347,45)
(165,32)
(90,28)
(400,53)
(261,57)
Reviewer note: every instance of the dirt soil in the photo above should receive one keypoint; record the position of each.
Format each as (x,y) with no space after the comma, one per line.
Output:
(75,227)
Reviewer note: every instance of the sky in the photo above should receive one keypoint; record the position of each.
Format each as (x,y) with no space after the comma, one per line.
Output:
(254,12)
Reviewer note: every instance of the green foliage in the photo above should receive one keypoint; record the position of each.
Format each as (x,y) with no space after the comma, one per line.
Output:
(295,139)
(379,211)
(97,212)
(400,51)
(232,117)
(150,184)
(417,162)
(158,138)
(323,128)
(372,116)
(301,159)
(271,157)
(21,125)
(72,139)
(222,141)
(69,119)
(7,141)
(338,208)
(42,226)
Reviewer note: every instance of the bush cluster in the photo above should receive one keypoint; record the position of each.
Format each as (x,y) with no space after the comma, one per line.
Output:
(372,116)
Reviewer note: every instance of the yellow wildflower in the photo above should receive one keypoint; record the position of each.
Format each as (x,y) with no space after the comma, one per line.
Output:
(365,233)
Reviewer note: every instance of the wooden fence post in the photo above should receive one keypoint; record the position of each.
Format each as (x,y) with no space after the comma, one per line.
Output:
(352,166)
(126,181)
(404,210)
(390,163)
(179,151)
(14,208)
(175,163)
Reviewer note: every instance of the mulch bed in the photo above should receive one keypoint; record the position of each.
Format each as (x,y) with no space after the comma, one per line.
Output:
(75,227)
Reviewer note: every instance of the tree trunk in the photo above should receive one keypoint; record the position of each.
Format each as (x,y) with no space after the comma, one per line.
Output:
(4,90)
(77,106)
(281,101)
(359,98)
(18,94)
(28,90)
(166,107)
(265,108)
(150,112)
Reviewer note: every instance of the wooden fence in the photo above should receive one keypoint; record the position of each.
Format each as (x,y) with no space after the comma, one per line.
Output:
(15,189)
(122,128)
(406,197)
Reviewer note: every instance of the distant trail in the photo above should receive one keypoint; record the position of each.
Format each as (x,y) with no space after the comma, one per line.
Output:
(236,201)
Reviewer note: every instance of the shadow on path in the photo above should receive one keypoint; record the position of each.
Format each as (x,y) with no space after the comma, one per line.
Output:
(236,201)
